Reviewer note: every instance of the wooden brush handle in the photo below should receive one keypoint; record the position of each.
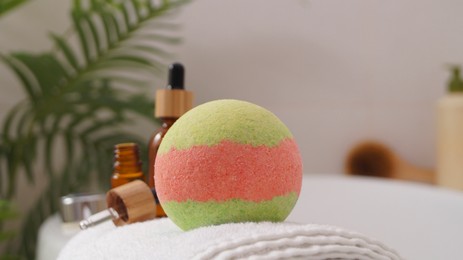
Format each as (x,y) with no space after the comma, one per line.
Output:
(371,158)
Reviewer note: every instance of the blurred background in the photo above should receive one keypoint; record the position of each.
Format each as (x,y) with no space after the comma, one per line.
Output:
(336,72)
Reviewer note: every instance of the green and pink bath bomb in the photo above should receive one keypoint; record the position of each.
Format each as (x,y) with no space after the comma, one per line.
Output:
(227,161)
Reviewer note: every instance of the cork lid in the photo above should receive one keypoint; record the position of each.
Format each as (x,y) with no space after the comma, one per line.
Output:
(134,202)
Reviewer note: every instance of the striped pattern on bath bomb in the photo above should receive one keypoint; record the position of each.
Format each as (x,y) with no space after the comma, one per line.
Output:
(227,161)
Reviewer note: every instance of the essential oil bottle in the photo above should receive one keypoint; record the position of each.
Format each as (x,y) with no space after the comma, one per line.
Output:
(170,103)
(127,164)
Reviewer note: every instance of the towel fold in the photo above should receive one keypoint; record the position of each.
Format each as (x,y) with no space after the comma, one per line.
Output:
(161,239)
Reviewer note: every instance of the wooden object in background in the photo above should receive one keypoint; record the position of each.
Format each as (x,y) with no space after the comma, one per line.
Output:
(371,158)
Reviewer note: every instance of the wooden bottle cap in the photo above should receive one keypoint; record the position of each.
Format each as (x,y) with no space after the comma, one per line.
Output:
(133,201)
(172,103)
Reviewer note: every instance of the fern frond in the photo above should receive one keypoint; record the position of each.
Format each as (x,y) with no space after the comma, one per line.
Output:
(74,108)
(66,50)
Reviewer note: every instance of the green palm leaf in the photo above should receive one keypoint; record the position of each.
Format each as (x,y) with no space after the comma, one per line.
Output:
(66,50)
(8,5)
(7,213)
(74,108)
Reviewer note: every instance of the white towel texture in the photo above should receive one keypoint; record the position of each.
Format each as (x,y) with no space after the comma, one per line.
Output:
(161,239)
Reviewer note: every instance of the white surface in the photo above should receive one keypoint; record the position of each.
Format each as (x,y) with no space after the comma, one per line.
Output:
(334,71)
(52,238)
(161,239)
(418,221)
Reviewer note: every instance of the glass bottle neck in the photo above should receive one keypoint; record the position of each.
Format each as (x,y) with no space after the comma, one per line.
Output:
(127,159)
(168,121)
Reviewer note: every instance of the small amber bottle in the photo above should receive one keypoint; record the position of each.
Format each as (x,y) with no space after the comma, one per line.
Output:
(127,164)
(171,103)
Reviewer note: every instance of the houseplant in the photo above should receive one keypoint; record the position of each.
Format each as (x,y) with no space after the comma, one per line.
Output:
(8,5)
(78,101)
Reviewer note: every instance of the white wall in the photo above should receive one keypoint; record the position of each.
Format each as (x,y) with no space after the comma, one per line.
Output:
(335,72)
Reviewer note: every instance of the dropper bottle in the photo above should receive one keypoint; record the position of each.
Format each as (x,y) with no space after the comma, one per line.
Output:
(129,203)
(170,103)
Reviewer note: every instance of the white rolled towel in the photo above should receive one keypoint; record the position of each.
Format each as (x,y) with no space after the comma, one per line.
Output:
(161,239)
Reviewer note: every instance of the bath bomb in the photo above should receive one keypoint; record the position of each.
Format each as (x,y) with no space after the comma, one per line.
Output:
(227,161)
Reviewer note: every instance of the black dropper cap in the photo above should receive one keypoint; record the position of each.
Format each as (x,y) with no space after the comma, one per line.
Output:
(176,76)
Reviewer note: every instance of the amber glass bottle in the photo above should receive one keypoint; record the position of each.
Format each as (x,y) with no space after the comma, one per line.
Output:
(155,141)
(171,103)
(127,164)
